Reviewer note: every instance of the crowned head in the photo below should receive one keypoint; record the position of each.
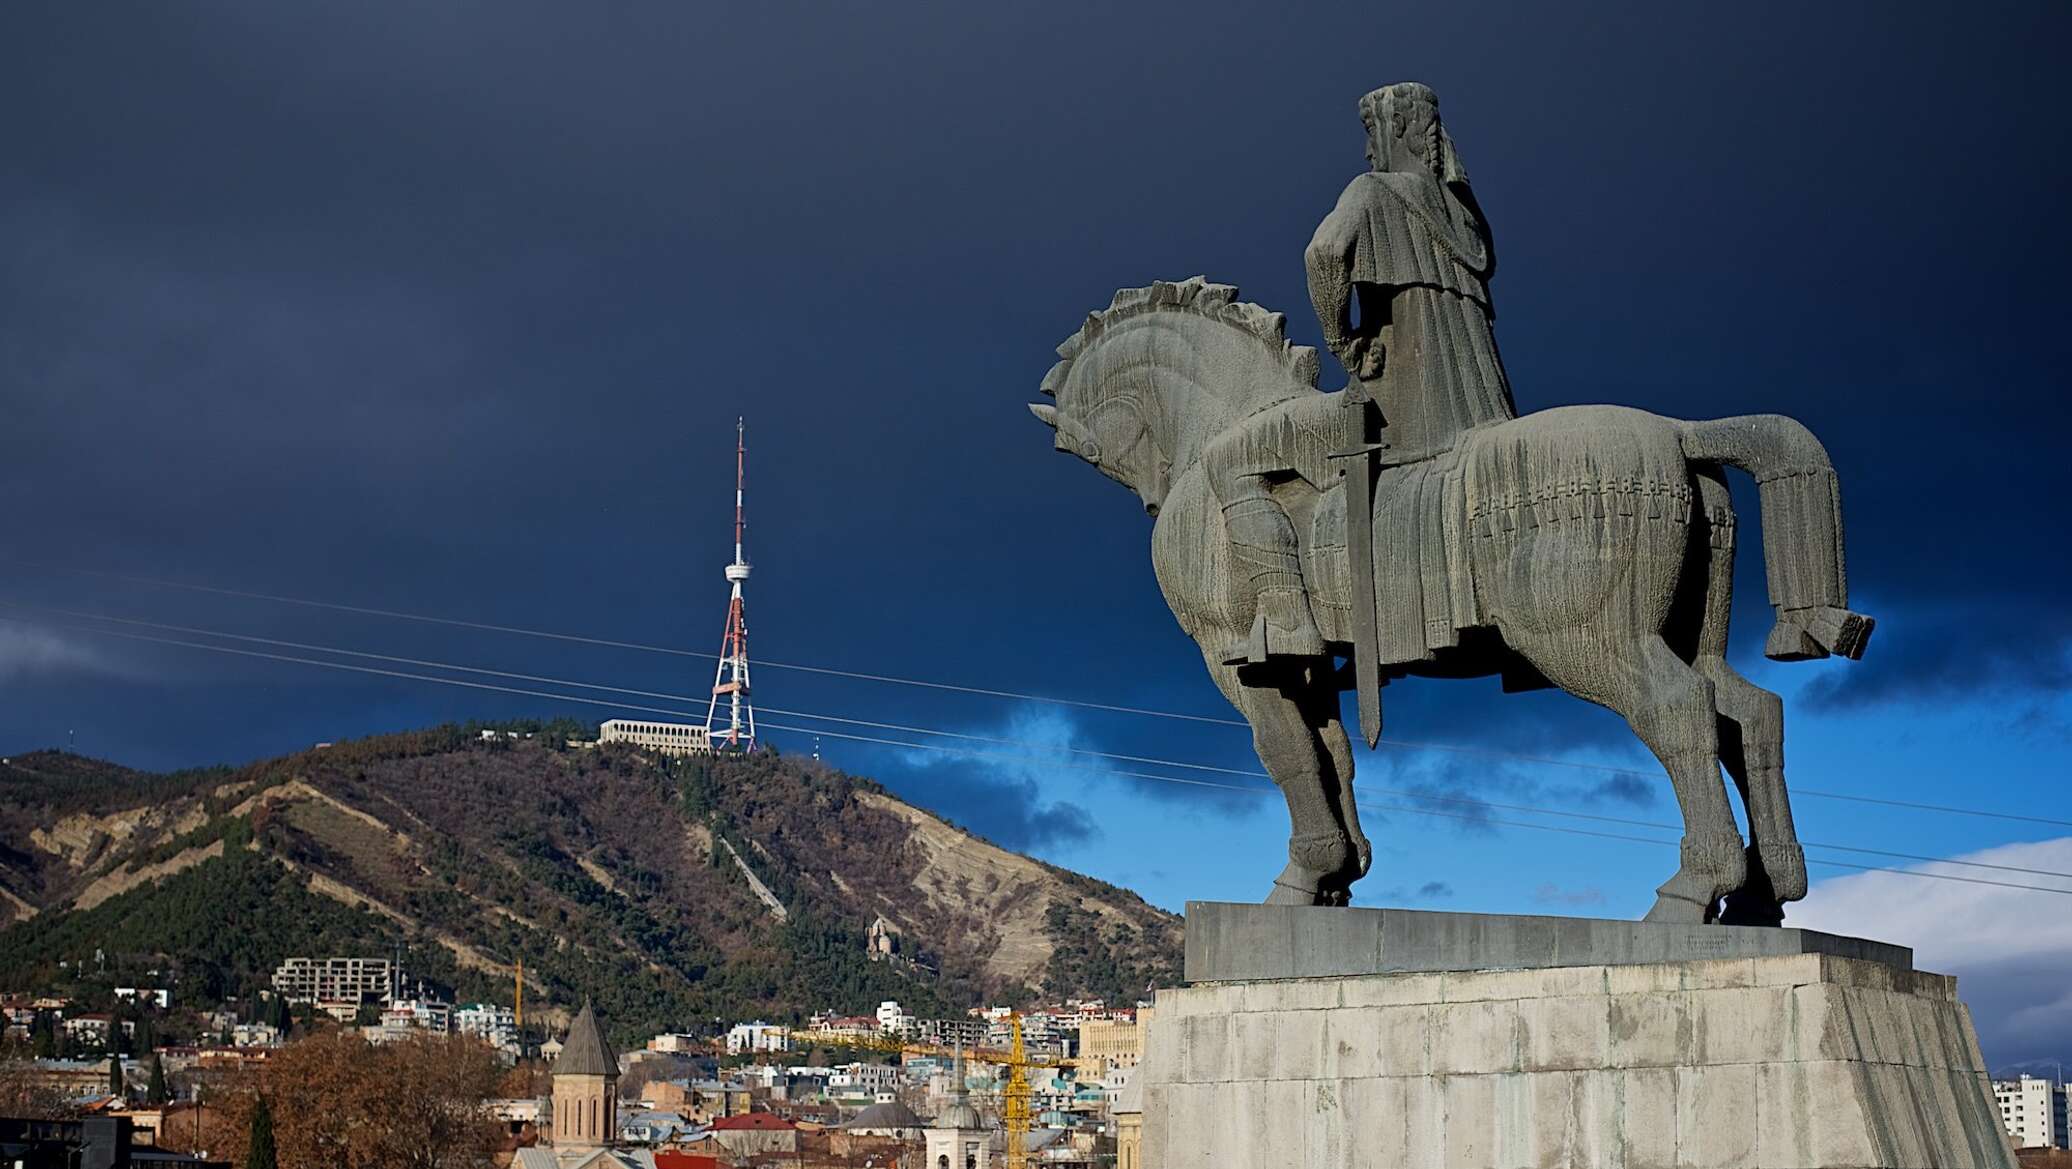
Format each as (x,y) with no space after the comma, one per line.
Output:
(1404,134)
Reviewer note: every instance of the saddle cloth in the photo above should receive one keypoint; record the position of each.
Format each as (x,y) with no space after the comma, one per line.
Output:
(1423,589)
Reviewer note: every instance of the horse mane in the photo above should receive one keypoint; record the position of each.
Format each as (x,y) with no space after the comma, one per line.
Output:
(1197,295)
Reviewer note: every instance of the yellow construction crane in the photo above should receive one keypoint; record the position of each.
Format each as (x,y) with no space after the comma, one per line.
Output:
(1016,1114)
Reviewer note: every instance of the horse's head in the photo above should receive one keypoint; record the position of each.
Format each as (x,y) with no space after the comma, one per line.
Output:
(1113,433)
(1143,383)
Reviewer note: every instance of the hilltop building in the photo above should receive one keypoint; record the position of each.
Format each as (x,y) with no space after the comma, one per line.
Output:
(667,738)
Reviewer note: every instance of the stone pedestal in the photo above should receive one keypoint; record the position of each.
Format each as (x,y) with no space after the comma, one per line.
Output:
(1326,1038)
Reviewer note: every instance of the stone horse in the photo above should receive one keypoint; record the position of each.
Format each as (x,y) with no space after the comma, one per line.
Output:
(1589,547)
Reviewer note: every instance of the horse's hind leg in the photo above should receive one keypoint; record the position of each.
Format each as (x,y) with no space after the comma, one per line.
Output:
(1752,748)
(1670,706)
(1751,729)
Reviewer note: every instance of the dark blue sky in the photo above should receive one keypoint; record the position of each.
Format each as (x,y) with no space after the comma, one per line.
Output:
(450,309)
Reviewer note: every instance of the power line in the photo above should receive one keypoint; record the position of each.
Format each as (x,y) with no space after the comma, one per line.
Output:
(1412,793)
(1476,817)
(988,739)
(1400,744)
(581,639)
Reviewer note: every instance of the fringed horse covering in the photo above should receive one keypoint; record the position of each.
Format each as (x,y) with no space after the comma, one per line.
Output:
(1581,484)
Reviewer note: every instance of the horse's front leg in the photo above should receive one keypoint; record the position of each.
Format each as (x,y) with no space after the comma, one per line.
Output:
(1322,857)
(1321,703)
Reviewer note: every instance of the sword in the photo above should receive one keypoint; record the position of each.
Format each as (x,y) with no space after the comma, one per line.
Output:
(1356,465)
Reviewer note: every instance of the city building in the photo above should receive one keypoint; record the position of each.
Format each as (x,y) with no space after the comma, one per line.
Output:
(958,1138)
(891,1120)
(676,1044)
(1128,1113)
(335,984)
(90,1029)
(586,1087)
(755,1134)
(864,1079)
(496,1024)
(652,1127)
(967,1032)
(757,1037)
(105,1142)
(2033,1110)
(254,1035)
(668,738)
(701,1100)
(408,1015)
(893,1019)
(1106,1044)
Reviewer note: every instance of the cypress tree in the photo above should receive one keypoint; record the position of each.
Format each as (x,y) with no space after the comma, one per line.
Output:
(156,1091)
(115,1085)
(259,1151)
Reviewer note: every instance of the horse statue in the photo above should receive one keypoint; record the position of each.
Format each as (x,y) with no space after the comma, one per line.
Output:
(1585,547)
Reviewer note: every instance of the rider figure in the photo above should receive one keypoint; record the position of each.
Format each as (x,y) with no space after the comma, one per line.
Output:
(1408,241)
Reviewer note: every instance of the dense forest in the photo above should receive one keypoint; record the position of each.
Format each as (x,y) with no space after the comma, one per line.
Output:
(601,868)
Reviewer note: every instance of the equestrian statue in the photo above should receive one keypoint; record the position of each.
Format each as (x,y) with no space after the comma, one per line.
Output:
(1412,524)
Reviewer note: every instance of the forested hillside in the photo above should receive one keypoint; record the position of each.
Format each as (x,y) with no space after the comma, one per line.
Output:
(610,873)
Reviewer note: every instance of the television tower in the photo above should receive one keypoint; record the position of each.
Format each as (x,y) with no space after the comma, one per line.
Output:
(733,726)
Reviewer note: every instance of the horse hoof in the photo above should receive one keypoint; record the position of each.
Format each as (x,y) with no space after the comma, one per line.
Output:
(1290,895)
(1677,911)
(1297,885)
(1743,909)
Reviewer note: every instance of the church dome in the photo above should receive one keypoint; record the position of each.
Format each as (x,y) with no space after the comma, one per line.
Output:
(586,1052)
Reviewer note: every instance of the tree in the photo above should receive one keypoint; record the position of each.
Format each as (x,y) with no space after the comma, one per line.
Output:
(259,1150)
(418,1103)
(115,1084)
(156,1092)
(23,1094)
(44,1032)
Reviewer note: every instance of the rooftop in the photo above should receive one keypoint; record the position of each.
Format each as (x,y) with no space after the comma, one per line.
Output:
(752,1122)
(888,1115)
(586,1052)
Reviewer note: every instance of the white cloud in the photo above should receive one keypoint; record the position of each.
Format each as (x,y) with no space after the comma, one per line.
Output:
(1951,924)
(2010,948)
(27,651)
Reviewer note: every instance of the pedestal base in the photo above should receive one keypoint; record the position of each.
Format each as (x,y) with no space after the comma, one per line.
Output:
(1804,1060)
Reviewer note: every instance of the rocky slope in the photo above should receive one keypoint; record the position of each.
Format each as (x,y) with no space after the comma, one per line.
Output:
(673,892)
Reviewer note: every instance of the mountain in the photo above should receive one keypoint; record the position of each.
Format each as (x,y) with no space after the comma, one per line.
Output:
(672,891)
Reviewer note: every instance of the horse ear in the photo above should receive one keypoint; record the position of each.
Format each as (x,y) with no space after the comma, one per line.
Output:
(1046,413)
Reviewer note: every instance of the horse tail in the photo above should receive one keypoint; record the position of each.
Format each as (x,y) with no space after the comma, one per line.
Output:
(1801,500)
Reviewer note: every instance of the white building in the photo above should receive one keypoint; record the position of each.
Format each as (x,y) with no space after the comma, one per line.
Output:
(498,1025)
(757,1037)
(668,738)
(893,1019)
(2033,1111)
(863,1079)
(400,1020)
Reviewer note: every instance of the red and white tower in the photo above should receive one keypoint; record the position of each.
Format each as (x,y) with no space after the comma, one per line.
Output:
(730,720)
